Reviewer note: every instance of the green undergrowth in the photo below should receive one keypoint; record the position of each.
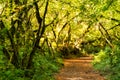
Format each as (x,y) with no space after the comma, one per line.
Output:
(107,62)
(43,69)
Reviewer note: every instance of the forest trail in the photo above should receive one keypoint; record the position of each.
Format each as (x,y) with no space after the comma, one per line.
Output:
(78,69)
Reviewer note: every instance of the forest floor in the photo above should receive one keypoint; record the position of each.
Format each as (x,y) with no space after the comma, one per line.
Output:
(78,69)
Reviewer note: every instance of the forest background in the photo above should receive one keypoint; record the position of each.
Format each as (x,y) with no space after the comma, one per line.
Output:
(36,34)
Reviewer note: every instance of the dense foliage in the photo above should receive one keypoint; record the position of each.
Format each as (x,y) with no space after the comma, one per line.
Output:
(108,63)
(25,52)
(35,34)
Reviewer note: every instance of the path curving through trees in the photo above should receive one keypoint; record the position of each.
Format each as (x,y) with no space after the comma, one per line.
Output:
(78,69)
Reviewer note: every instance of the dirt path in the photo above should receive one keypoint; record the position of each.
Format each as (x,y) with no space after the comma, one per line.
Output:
(78,69)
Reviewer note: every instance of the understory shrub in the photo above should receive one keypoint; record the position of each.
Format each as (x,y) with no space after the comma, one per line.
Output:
(108,63)
(69,51)
(43,69)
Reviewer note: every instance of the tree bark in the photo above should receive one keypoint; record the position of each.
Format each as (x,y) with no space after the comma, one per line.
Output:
(40,32)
